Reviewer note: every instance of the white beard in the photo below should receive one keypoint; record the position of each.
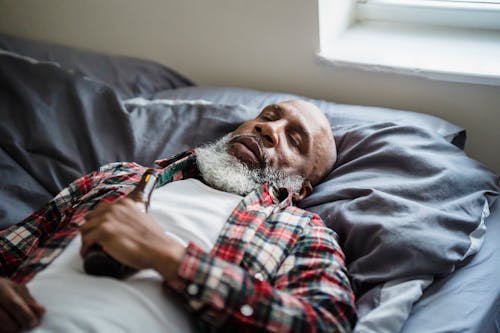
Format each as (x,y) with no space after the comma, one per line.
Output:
(225,172)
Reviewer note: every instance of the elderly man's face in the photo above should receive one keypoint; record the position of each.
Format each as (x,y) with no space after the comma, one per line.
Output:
(292,136)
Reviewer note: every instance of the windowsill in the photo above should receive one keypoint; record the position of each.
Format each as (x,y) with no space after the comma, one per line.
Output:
(449,54)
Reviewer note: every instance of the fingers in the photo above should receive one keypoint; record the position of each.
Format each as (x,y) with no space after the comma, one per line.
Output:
(104,216)
(107,206)
(93,220)
(89,240)
(32,303)
(106,211)
(15,310)
(103,206)
(88,233)
(97,231)
(121,229)
(8,323)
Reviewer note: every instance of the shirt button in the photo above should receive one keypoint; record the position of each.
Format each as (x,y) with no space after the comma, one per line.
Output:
(246,310)
(192,289)
(259,276)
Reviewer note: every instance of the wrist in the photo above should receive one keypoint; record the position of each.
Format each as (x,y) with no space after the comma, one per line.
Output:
(168,261)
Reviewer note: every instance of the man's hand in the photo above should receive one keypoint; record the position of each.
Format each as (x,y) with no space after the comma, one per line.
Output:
(131,237)
(18,309)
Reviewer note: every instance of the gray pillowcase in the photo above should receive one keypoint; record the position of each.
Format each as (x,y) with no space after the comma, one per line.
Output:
(403,200)
(339,114)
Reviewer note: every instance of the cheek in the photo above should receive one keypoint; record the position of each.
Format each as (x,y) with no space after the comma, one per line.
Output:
(288,161)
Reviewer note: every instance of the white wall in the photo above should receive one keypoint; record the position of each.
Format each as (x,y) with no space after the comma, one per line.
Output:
(261,44)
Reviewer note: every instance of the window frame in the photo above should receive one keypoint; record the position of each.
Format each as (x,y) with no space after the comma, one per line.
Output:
(463,14)
(433,51)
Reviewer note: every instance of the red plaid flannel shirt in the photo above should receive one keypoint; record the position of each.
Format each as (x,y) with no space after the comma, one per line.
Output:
(274,267)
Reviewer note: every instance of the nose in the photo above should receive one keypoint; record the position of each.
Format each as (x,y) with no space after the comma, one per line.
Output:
(269,133)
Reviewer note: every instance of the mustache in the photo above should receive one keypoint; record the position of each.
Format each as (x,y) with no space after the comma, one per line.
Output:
(260,143)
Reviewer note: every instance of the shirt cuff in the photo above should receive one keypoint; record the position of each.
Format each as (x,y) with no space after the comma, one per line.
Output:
(200,283)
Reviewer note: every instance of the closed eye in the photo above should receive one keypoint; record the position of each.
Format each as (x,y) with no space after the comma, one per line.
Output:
(267,117)
(294,141)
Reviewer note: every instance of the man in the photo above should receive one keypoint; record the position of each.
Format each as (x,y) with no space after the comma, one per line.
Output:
(222,237)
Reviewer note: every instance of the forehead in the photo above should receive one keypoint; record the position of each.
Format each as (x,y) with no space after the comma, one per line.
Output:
(305,118)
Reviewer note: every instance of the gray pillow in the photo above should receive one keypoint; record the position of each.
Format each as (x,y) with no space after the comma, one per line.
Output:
(341,114)
(127,76)
(403,200)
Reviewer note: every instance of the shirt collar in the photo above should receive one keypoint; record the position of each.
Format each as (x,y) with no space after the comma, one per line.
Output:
(165,162)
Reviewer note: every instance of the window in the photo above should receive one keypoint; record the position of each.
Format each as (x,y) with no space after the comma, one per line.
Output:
(451,13)
(452,40)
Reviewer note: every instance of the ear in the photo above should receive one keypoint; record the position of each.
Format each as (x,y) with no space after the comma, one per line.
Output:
(304,191)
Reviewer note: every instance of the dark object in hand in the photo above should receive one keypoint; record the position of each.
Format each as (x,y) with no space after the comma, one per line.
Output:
(99,263)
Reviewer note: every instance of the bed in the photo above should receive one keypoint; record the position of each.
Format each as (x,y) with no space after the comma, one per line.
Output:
(416,217)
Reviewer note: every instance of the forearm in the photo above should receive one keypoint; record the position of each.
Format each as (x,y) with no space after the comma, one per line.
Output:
(18,241)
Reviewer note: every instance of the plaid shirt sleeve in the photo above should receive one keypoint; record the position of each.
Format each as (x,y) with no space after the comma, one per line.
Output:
(20,240)
(310,293)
